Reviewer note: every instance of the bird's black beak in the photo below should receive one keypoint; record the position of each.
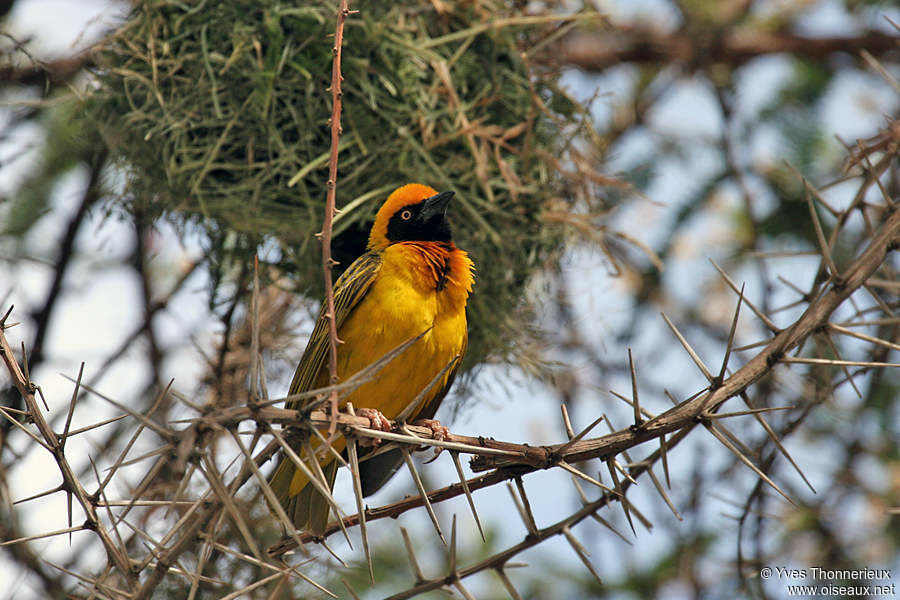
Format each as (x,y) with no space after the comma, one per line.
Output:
(436,206)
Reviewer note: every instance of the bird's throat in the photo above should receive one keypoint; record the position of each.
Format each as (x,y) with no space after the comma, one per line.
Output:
(442,266)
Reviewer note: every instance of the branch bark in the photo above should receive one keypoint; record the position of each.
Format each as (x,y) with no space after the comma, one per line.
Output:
(46,75)
(327,261)
(596,51)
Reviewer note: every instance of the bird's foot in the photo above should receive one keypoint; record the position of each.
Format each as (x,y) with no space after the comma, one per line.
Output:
(376,419)
(438,432)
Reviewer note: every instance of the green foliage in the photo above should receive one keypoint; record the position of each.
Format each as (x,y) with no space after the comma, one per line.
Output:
(70,143)
(220,114)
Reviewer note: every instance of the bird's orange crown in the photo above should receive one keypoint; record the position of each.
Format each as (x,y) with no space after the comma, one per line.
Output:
(408,196)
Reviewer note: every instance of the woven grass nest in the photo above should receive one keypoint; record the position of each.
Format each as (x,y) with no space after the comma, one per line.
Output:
(220,112)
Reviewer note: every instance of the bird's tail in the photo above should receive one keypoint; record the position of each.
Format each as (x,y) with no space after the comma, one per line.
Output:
(305,506)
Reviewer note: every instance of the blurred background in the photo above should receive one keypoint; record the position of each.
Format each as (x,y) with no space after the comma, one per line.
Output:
(603,154)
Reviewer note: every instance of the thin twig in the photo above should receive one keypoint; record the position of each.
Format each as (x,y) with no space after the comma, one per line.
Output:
(325,236)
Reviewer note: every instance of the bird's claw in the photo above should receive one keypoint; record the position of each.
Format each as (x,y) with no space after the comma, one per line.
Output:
(438,432)
(377,421)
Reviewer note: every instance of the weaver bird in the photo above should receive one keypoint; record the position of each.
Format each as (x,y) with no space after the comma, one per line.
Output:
(412,281)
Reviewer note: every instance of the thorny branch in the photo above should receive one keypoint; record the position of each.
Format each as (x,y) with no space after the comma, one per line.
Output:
(505,461)
(518,459)
(54,444)
(325,236)
(201,517)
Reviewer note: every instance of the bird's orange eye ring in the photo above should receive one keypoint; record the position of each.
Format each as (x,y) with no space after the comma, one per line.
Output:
(406,215)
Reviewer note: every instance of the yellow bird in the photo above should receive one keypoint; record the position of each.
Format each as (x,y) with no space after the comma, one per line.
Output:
(412,280)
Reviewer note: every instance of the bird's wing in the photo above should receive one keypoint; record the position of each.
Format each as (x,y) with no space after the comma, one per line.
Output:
(349,289)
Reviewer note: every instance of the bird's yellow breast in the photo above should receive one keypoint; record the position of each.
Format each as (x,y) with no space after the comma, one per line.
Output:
(399,305)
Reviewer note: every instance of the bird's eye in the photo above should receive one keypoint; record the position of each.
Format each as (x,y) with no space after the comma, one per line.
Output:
(406,215)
